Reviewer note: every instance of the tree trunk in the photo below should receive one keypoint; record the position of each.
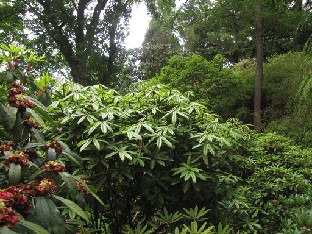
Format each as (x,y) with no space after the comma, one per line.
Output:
(259,69)
(78,72)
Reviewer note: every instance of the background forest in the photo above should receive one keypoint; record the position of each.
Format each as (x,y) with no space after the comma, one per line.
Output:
(205,128)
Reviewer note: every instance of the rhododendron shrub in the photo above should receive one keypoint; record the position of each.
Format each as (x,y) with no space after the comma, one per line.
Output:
(35,182)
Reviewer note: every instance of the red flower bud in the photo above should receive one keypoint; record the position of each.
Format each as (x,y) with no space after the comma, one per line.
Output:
(18,157)
(45,187)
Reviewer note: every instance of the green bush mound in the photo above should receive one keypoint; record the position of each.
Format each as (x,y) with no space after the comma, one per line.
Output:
(208,82)
(164,164)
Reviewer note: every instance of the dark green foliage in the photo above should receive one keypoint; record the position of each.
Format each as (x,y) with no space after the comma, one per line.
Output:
(31,166)
(208,82)
(160,162)
(11,27)
(286,94)
(228,27)
(149,148)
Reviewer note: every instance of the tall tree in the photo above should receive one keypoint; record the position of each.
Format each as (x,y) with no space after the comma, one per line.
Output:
(259,67)
(77,27)
(241,29)
(11,27)
(158,46)
(227,27)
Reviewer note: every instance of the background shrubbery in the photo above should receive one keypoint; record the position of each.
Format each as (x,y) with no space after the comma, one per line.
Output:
(157,161)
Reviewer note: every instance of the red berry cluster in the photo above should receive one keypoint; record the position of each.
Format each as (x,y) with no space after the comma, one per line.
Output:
(14,64)
(5,147)
(8,216)
(44,187)
(40,92)
(81,187)
(17,97)
(18,157)
(55,145)
(18,197)
(53,166)
(30,122)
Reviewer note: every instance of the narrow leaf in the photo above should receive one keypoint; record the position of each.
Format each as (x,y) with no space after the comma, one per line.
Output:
(73,206)
(34,227)
(96,144)
(85,144)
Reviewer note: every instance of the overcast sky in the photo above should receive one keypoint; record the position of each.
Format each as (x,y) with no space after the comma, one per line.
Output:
(138,26)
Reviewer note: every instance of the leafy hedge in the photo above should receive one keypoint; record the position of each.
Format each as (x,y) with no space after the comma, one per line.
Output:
(162,163)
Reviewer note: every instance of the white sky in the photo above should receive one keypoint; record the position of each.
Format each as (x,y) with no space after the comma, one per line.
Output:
(138,25)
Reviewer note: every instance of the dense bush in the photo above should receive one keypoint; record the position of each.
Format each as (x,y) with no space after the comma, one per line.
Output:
(37,191)
(157,163)
(162,163)
(149,149)
(210,83)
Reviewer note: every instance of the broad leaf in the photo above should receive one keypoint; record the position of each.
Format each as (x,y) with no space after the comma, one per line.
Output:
(48,215)
(6,230)
(15,173)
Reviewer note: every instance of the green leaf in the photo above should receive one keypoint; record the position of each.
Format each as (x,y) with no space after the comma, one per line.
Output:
(38,135)
(37,103)
(32,226)
(6,230)
(86,186)
(73,206)
(92,192)
(93,127)
(7,116)
(186,186)
(15,173)
(96,144)
(72,156)
(70,182)
(17,130)
(36,117)
(45,115)
(84,144)
(9,76)
(33,145)
(174,117)
(48,215)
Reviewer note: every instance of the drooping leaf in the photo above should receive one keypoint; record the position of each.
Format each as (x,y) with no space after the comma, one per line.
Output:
(70,182)
(73,206)
(37,117)
(33,145)
(45,115)
(92,192)
(33,227)
(7,116)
